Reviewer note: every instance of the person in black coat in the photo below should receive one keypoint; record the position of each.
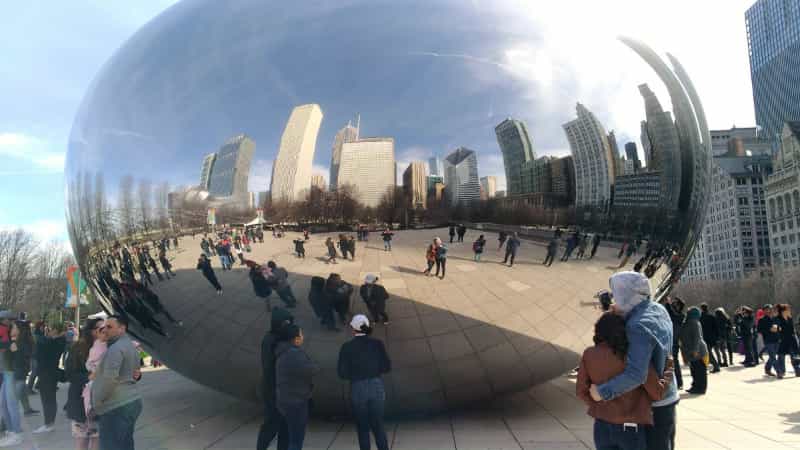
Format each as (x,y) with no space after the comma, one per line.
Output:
(85,431)
(710,335)
(274,423)
(204,264)
(320,303)
(675,309)
(362,361)
(745,325)
(788,344)
(21,356)
(260,284)
(48,355)
(375,296)
(338,293)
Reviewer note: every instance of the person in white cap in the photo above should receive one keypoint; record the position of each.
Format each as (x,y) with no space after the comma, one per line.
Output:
(649,331)
(362,361)
(375,296)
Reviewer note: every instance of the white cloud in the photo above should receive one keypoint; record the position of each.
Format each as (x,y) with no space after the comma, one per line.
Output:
(32,150)
(405,156)
(492,164)
(320,170)
(43,231)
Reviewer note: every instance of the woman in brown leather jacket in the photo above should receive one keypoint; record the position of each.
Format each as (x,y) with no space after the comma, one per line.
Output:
(619,423)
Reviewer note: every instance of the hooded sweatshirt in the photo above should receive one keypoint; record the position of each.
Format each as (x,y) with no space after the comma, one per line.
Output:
(693,346)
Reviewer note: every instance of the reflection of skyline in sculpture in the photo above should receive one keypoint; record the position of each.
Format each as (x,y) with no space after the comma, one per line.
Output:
(368,165)
(228,179)
(205,172)
(291,171)
(461,177)
(663,147)
(415,186)
(347,134)
(594,166)
(517,149)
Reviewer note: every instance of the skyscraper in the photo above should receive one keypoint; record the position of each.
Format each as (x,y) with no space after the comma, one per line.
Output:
(231,169)
(773,39)
(630,151)
(489,185)
(461,177)
(318,181)
(368,166)
(347,134)
(594,165)
(291,172)
(632,162)
(205,172)
(515,144)
(435,167)
(664,146)
(415,187)
(783,197)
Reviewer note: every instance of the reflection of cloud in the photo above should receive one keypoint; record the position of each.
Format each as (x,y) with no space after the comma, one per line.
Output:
(32,150)
(320,170)
(465,57)
(404,157)
(125,133)
(260,175)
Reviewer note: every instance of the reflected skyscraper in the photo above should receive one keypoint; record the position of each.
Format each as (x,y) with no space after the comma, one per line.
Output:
(773,40)
(368,165)
(594,164)
(489,186)
(461,177)
(515,144)
(318,181)
(664,147)
(291,172)
(231,169)
(414,185)
(347,134)
(205,172)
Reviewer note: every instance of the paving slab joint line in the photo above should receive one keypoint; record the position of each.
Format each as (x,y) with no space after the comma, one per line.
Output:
(535,400)
(335,435)
(452,431)
(242,424)
(508,427)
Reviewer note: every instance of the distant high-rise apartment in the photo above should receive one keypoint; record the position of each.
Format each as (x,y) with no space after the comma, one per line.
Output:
(630,151)
(231,169)
(739,142)
(291,172)
(664,148)
(263,196)
(735,237)
(632,163)
(594,165)
(517,149)
(435,166)
(562,178)
(251,200)
(368,166)
(773,39)
(318,181)
(619,167)
(415,186)
(783,198)
(536,176)
(205,172)
(489,185)
(347,134)
(461,177)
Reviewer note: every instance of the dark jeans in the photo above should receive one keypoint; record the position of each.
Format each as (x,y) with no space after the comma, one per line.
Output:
(510,253)
(661,435)
(713,361)
(609,436)
(117,426)
(368,397)
(699,376)
(274,425)
(378,311)
(772,361)
(296,415)
(676,360)
(548,260)
(749,355)
(441,264)
(287,295)
(47,392)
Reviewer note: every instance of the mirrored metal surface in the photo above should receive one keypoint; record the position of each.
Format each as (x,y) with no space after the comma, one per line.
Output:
(214,121)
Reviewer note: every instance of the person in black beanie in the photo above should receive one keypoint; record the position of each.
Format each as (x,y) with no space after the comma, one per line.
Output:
(274,423)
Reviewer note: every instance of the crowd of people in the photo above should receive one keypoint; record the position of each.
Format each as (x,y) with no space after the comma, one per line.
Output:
(100,363)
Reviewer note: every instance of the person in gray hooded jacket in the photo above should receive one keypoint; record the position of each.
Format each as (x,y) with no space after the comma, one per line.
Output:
(294,372)
(695,350)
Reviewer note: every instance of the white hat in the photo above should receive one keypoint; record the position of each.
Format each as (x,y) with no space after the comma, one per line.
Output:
(370,278)
(359,321)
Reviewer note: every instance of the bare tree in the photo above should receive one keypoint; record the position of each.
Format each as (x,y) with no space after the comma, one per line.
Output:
(145,204)
(48,289)
(161,196)
(17,248)
(126,207)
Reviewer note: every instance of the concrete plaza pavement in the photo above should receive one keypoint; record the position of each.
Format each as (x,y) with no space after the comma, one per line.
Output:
(742,410)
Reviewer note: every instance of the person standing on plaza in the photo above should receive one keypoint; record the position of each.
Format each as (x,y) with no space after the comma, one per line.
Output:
(294,373)
(115,394)
(695,351)
(21,354)
(430,258)
(745,326)
(452,233)
(331,250)
(788,342)
(274,423)
(441,257)
(725,344)
(375,296)
(299,248)
(710,335)
(649,332)
(204,265)
(387,240)
(768,328)
(511,249)
(477,247)
(595,244)
(343,245)
(338,293)
(677,316)
(462,230)
(260,284)
(572,242)
(84,429)
(321,304)
(38,332)
(351,247)
(48,354)
(162,258)
(501,239)
(280,277)
(9,409)
(619,423)
(552,249)
(362,361)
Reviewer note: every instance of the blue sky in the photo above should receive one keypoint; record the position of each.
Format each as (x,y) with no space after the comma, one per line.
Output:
(167,101)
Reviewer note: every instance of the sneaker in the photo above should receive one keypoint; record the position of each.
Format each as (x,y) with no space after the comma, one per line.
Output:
(11,439)
(43,429)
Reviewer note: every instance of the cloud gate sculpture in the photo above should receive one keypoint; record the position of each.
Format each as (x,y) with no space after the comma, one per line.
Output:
(215,115)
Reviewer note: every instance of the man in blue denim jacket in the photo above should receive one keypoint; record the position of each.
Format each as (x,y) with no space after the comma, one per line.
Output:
(649,331)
